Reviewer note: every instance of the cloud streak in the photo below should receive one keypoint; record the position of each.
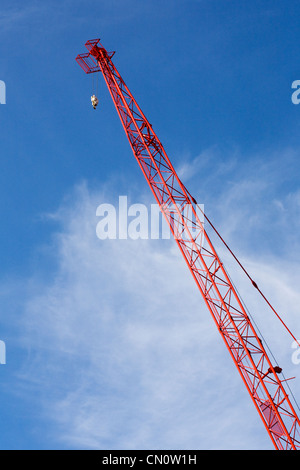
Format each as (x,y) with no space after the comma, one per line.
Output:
(123,351)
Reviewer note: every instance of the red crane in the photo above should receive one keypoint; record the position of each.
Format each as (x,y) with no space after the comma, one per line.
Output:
(259,374)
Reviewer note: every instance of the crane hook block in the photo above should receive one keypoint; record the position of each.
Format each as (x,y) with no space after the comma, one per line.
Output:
(94,101)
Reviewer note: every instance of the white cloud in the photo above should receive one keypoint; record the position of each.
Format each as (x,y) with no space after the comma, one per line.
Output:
(123,352)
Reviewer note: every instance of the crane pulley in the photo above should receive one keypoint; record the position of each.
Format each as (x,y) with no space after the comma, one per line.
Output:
(246,348)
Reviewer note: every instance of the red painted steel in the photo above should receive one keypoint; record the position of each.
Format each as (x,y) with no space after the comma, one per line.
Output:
(258,373)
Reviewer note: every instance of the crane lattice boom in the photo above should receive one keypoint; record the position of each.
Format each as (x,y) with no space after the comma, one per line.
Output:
(258,373)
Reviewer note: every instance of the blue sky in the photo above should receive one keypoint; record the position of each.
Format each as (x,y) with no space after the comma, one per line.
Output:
(109,344)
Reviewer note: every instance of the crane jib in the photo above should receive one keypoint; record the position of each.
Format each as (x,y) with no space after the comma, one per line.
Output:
(246,348)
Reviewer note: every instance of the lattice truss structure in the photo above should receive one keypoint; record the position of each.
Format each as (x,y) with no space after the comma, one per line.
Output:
(179,208)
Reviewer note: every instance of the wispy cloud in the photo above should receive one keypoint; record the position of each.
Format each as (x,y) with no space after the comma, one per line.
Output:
(65,14)
(123,351)
(13,16)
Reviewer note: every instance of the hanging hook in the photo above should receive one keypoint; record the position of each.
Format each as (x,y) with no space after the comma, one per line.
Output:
(94,101)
